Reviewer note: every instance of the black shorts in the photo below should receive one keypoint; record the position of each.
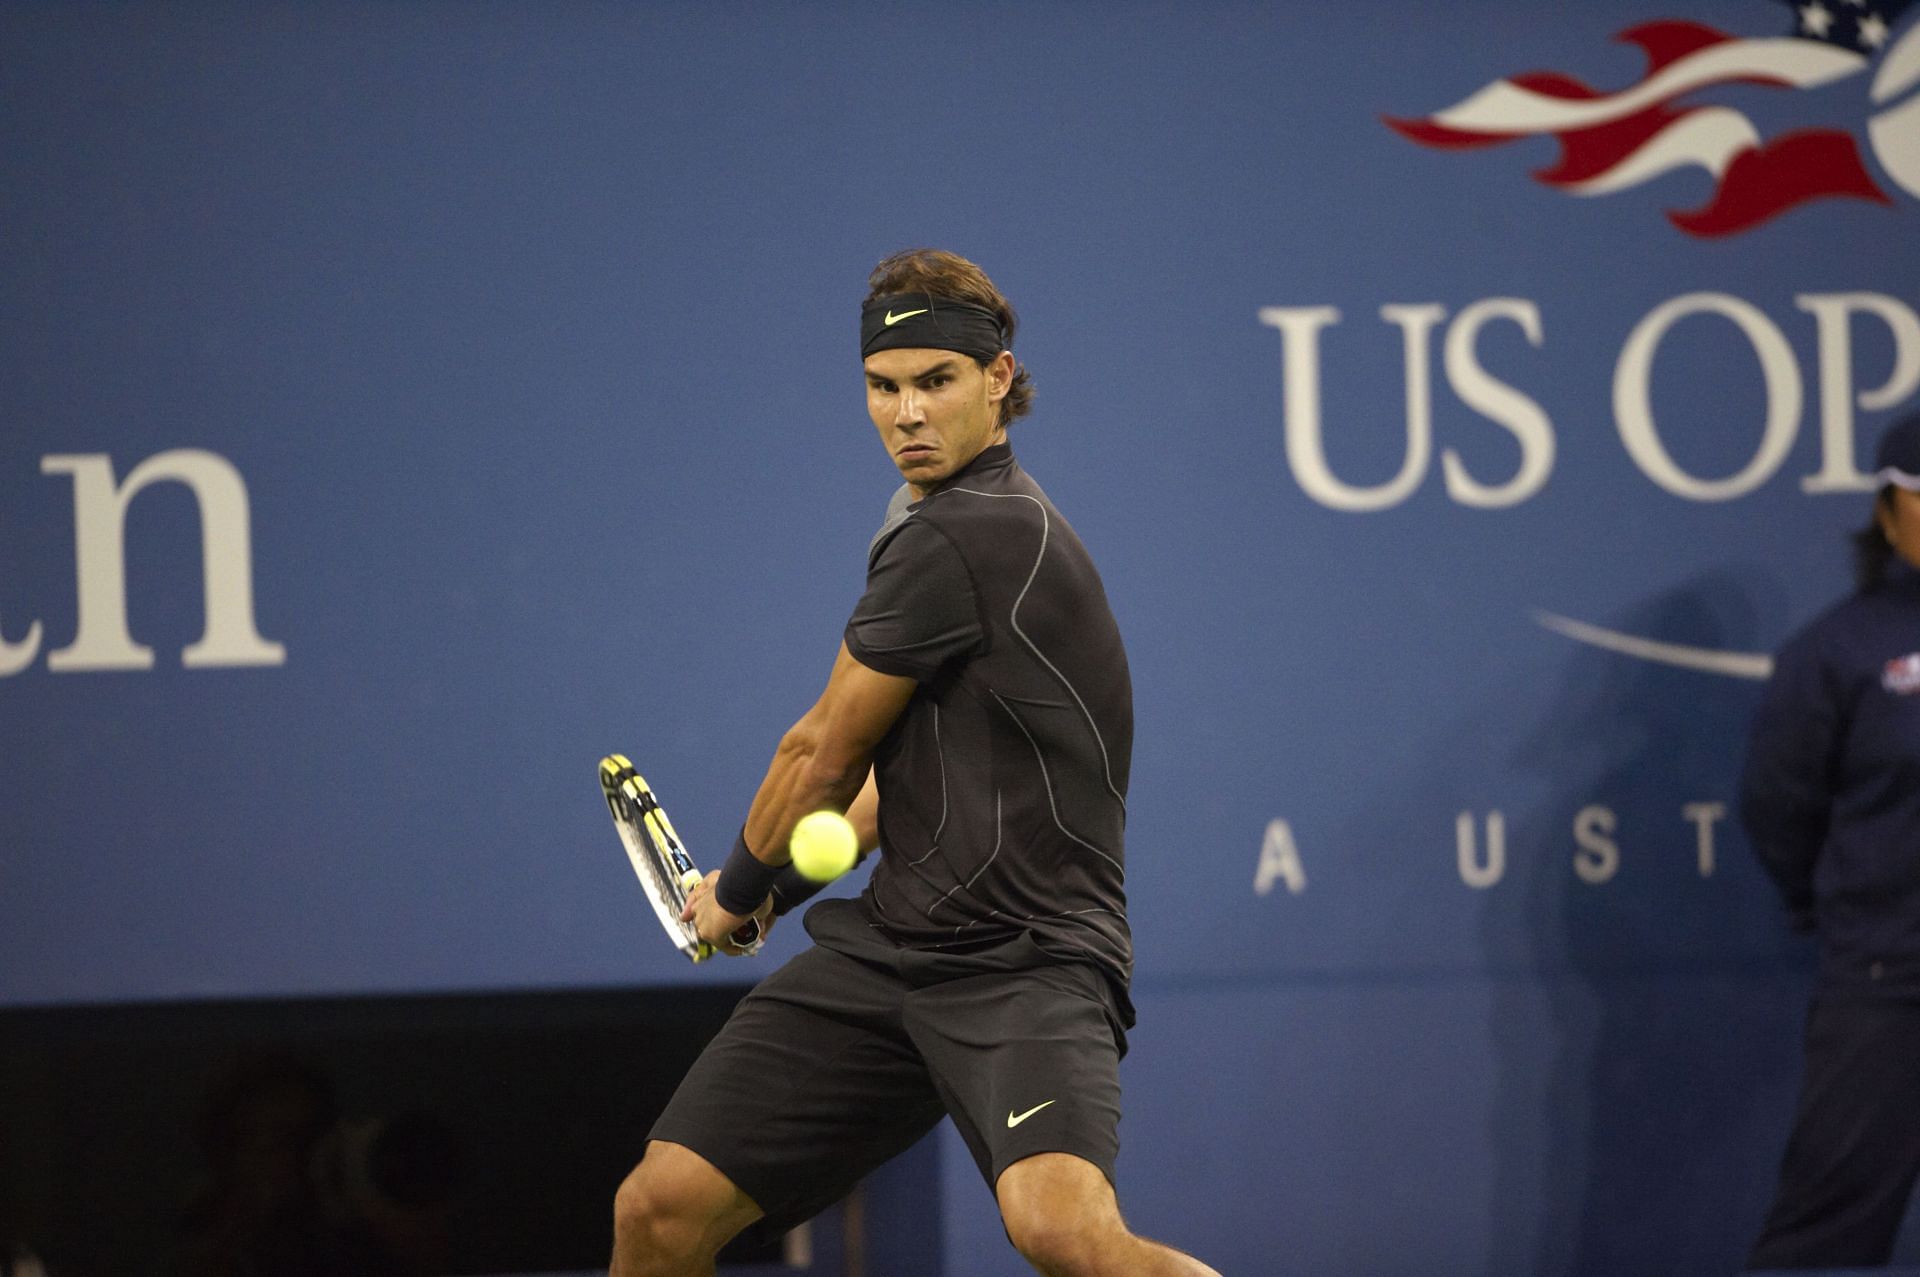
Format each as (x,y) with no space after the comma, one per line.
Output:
(833,1065)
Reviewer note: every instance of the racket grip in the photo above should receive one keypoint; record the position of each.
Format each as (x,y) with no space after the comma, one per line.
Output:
(745,936)
(747,933)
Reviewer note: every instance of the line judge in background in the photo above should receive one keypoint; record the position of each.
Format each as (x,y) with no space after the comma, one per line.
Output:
(978,723)
(1830,798)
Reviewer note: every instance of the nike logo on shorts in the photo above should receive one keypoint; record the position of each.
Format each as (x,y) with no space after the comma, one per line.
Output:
(1013,1121)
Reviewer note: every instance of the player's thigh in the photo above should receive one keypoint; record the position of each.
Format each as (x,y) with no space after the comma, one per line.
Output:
(1027,1063)
(810,1085)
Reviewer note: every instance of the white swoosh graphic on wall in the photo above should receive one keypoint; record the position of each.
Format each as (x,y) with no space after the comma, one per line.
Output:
(1753,665)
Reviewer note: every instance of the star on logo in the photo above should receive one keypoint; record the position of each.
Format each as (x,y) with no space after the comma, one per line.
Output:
(1862,26)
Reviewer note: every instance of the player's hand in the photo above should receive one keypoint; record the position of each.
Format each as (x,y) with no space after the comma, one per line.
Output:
(714,924)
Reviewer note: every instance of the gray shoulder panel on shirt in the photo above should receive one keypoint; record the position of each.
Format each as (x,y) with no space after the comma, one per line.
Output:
(896,511)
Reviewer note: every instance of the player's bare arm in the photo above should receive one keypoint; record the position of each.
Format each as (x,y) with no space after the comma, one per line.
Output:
(826,757)
(823,761)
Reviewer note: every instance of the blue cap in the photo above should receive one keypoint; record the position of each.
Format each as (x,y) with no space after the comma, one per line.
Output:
(1897,460)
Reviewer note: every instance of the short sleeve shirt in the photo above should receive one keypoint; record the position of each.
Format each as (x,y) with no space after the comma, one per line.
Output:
(919,613)
(1003,783)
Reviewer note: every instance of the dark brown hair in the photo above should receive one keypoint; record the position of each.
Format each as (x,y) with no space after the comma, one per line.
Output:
(931,270)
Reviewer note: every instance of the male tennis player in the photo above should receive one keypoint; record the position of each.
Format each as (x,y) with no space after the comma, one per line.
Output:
(979,711)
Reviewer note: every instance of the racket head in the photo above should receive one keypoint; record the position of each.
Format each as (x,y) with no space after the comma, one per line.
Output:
(660,860)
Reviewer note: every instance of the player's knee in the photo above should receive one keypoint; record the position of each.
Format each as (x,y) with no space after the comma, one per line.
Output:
(654,1223)
(674,1213)
(1058,1243)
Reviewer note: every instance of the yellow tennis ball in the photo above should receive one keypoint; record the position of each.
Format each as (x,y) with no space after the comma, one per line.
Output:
(824,846)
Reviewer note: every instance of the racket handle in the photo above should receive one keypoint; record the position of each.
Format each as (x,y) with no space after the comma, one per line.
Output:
(745,935)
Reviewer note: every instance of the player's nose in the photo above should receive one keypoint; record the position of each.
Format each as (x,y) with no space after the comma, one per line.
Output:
(906,411)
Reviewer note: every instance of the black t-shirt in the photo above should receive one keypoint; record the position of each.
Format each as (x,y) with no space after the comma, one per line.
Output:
(1003,784)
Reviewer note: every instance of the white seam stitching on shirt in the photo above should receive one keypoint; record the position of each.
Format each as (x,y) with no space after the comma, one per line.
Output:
(1047,780)
(940,753)
(968,884)
(1013,619)
(1038,917)
(941,756)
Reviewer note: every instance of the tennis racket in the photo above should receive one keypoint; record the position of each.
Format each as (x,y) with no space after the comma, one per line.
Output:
(666,872)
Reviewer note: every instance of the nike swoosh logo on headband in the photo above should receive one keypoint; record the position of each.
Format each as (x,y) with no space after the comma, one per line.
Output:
(893,319)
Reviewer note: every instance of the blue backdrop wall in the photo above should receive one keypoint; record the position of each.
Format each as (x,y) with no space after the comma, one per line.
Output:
(405,404)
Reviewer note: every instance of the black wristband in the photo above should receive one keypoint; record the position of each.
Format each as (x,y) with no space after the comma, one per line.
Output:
(744,880)
(791,889)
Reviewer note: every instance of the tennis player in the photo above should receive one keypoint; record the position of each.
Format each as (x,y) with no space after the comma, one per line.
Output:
(978,726)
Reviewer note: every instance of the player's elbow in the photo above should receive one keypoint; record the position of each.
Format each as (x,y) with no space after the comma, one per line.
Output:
(836,774)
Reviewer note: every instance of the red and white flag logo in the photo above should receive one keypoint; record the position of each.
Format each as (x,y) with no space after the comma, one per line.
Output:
(1613,141)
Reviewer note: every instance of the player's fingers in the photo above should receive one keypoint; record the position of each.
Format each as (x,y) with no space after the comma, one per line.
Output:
(694,894)
(693,901)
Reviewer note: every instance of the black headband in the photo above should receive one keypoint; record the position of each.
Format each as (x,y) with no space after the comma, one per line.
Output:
(922,320)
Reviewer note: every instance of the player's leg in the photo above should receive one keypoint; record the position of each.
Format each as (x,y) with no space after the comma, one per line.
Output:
(1061,1214)
(1854,1154)
(673,1213)
(1028,1063)
(810,1085)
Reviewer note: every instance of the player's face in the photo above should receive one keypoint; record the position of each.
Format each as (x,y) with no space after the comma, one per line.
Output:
(936,410)
(1901,523)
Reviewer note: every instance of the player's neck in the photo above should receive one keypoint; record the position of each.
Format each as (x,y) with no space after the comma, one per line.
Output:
(922,491)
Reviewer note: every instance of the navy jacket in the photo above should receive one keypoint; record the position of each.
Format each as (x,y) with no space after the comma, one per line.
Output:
(1830,795)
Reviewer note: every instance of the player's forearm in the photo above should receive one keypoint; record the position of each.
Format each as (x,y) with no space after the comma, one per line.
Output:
(822,762)
(791,888)
(802,778)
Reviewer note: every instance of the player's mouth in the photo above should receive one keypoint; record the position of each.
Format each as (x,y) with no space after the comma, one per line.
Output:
(915,452)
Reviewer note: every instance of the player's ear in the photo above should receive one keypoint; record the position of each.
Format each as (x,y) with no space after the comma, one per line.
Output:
(999,370)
